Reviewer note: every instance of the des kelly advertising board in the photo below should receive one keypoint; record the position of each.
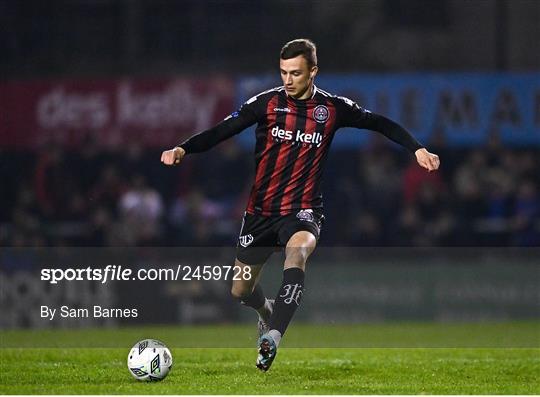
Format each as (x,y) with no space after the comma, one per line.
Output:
(153,112)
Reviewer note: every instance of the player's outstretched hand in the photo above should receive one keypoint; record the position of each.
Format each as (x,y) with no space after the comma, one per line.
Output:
(427,160)
(173,156)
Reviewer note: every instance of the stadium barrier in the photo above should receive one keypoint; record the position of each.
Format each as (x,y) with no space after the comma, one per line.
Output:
(191,286)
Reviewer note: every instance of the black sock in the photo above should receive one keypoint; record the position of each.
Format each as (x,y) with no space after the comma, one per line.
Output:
(288,299)
(256,299)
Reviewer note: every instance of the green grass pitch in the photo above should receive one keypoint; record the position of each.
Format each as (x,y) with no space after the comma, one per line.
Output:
(423,358)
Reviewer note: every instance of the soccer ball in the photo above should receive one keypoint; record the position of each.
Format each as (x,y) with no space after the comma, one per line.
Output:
(149,360)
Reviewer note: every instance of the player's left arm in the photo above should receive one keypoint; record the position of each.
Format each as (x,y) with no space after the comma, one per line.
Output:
(398,134)
(430,161)
(355,116)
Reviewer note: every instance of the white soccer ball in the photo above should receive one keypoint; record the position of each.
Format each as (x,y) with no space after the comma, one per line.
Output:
(149,360)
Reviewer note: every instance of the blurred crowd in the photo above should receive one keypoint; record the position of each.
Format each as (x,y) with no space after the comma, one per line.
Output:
(374,196)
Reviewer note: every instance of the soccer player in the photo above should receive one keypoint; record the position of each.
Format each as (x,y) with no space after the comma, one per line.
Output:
(295,126)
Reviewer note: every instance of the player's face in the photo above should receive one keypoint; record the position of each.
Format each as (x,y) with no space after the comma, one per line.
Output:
(297,77)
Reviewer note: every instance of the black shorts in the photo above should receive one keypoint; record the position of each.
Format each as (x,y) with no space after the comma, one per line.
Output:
(262,235)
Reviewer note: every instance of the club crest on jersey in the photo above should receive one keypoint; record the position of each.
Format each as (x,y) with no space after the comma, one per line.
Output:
(321,114)
(306,215)
(245,240)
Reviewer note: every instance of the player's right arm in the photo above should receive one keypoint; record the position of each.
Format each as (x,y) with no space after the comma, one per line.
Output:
(232,125)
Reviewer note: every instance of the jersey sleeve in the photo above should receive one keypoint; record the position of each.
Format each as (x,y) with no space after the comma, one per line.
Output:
(236,122)
(352,115)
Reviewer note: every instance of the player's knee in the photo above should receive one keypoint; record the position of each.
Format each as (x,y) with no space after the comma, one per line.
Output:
(300,246)
(302,239)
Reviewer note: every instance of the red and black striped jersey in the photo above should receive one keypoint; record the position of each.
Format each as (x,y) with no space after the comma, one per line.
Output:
(292,142)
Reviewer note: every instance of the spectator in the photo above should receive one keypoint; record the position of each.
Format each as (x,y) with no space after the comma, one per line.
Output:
(97,197)
(141,208)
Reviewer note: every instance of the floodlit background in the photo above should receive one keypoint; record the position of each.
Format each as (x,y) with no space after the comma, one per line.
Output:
(92,92)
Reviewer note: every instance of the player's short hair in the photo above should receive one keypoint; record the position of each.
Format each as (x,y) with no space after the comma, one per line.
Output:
(304,47)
